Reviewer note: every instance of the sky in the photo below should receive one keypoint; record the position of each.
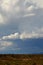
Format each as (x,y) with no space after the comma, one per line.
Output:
(21,26)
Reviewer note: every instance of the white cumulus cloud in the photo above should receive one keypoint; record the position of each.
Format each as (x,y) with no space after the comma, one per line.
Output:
(4,44)
(1,19)
(11,36)
(22,15)
(39,2)
(24,35)
(16,8)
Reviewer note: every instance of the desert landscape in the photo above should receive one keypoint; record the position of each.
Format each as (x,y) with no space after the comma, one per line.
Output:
(21,59)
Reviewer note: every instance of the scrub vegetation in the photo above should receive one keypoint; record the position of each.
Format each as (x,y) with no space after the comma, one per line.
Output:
(21,59)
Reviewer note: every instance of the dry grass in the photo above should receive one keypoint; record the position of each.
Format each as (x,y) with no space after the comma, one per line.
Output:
(21,59)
